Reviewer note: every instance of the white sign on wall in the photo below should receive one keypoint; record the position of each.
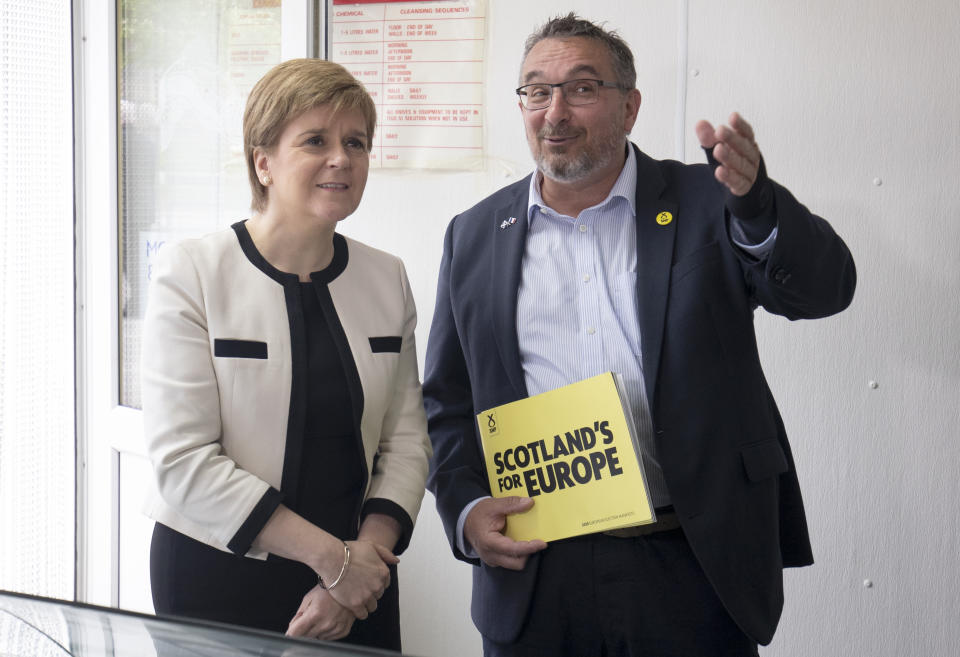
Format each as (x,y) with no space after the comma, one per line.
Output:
(422,63)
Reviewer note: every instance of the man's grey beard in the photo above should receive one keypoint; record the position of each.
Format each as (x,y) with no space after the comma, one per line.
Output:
(567,171)
(589,160)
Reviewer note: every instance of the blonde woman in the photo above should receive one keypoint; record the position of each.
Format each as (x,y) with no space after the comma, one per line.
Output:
(282,403)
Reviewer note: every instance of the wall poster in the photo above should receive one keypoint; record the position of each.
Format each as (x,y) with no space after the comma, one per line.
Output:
(422,62)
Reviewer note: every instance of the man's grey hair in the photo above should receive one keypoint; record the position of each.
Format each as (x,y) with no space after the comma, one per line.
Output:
(571,25)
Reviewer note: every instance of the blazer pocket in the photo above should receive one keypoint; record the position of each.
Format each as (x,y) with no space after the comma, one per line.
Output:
(226,348)
(388,344)
(764,459)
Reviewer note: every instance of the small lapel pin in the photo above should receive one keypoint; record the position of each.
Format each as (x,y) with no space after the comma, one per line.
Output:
(508,222)
(664,218)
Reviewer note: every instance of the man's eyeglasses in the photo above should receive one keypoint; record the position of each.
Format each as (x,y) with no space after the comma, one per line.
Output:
(539,95)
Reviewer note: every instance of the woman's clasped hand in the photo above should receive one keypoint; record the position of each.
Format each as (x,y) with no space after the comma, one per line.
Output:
(330,613)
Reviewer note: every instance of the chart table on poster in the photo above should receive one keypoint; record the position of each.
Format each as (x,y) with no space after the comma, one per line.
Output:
(252,48)
(422,63)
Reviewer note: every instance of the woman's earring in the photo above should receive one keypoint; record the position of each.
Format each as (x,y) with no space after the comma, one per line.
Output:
(267,180)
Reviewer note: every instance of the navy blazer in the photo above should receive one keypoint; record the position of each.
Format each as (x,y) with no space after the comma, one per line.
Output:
(718,433)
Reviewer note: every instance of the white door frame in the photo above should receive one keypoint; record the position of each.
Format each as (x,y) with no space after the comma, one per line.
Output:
(105,429)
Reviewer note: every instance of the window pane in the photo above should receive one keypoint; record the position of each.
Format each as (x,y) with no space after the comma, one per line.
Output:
(36,299)
(185,69)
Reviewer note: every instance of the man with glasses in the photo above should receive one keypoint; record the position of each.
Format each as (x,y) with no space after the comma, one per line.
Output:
(605,259)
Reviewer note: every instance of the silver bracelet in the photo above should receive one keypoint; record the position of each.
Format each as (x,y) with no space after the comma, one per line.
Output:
(343,570)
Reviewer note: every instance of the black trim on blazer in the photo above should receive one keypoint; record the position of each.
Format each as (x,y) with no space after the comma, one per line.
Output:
(337,265)
(395,511)
(388,344)
(354,386)
(334,269)
(230,348)
(297,417)
(243,539)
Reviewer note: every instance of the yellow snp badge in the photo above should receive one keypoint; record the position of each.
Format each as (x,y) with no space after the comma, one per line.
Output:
(664,218)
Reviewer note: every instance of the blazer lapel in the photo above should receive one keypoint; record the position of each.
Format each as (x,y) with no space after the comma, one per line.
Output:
(656,231)
(509,226)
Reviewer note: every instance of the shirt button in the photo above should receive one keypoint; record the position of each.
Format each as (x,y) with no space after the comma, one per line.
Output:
(583,228)
(591,331)
(586,278)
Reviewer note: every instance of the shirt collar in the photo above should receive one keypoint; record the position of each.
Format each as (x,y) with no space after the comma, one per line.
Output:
(625,187)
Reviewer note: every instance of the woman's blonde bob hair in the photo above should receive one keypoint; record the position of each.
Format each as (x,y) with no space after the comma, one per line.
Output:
(288,90)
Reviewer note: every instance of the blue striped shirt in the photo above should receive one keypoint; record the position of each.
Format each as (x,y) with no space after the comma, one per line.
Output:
(577,304)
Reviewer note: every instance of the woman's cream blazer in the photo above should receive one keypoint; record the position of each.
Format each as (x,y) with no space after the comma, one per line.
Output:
(223,367)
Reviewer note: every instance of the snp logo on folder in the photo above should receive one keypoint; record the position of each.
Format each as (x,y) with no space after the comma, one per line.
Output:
(492,429)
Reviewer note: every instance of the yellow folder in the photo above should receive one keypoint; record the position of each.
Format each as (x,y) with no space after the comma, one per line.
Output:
(574,451)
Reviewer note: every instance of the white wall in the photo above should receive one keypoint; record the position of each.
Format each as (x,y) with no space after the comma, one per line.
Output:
(856,107)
